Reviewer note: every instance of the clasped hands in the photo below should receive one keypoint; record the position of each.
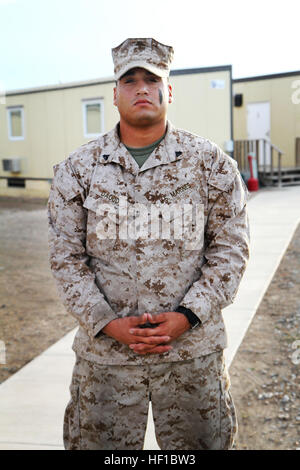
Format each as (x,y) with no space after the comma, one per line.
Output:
(143,340)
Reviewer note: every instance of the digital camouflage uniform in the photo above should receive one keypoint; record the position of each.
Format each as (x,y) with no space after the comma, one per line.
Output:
(191,402)
(142,52)
(100,280)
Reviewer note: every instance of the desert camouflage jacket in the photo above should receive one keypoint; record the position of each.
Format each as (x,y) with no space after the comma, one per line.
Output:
(100,278)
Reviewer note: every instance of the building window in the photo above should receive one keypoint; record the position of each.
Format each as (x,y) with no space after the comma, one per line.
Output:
(93,117)
(15,117)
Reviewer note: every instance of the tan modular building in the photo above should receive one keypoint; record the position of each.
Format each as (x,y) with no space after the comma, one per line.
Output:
(267,108)
(39,127)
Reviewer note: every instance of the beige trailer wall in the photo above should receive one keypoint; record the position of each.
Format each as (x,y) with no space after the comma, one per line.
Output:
(284,97)
(53,120)
(201,108)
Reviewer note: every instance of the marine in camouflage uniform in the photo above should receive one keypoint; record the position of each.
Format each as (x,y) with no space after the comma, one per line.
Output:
(104,279)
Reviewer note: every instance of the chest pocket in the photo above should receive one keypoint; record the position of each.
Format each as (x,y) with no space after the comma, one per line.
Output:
(101,238)
(184,225)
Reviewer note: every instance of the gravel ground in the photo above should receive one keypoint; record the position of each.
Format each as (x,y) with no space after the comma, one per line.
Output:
(31,315)
(264,373)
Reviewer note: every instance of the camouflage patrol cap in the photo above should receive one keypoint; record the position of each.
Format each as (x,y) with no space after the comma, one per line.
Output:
(142,52)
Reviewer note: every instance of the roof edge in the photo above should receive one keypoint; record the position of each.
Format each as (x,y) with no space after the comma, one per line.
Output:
(266,77)
(97,81)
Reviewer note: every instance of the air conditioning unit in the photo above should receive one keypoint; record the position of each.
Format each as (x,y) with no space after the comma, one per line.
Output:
(12,164)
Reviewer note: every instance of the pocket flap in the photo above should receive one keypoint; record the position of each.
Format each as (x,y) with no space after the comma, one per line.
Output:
(102,207)
(222,176)
(92,203)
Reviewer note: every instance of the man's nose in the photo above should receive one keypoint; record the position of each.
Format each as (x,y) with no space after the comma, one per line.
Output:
(142,88)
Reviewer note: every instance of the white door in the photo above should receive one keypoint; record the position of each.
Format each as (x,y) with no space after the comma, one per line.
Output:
(259,126)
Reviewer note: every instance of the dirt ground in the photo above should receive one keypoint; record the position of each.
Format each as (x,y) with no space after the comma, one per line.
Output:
(31,315)
(264,373)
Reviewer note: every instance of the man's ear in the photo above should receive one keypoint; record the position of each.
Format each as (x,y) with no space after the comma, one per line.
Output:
(170,90)
(115,96)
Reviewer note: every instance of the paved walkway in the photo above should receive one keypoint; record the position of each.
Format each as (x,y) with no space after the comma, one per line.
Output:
(32,401)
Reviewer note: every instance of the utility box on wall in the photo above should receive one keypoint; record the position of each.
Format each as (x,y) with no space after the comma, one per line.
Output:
(238,100)
(12,164)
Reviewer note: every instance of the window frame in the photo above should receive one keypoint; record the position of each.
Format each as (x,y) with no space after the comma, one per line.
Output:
(9,110)
(89,101)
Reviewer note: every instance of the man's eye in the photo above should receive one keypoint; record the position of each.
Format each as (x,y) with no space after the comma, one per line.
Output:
(129,80)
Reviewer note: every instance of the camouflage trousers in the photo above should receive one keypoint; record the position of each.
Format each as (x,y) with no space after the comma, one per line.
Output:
(191,404)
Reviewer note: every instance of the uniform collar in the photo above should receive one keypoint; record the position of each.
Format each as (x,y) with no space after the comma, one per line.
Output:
(115,151)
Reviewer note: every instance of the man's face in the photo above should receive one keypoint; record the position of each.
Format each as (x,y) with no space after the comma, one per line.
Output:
(142,98)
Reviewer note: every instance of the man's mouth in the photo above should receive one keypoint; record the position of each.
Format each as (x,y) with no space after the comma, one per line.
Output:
(142,102)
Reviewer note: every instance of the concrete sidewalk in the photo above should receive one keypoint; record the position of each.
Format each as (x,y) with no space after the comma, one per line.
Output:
(32,401)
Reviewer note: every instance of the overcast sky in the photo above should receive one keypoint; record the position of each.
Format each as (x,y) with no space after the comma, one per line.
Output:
(44,42)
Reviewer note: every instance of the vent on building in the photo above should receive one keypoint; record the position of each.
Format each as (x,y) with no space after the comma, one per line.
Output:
(12,164)
(16,182)
(238,100)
